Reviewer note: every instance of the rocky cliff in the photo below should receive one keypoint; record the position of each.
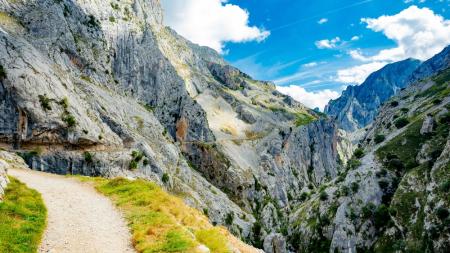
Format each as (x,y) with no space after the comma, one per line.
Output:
(103,88)
(3,178)
(358,105)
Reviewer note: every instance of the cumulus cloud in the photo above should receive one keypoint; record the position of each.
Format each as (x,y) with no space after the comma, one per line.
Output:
(322,21)
(359,73)
(355,38)
(322,44)
(311,99)
(211,22)
(418,32)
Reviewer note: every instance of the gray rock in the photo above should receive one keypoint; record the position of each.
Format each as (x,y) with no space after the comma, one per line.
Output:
(428,125)
(275,243)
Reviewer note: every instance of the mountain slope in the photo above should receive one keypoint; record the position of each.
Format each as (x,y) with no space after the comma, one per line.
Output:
(392,195)
(103,88)
(358,105)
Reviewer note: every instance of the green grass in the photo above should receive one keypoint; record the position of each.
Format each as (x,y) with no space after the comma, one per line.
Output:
(161,222)
(406,145)
(303,119)
(22,219)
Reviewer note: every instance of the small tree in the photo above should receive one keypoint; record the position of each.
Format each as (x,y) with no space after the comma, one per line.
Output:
(359,153)
(401,122)
(379,138)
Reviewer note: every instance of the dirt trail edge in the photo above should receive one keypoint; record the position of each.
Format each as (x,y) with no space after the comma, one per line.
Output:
(80,220)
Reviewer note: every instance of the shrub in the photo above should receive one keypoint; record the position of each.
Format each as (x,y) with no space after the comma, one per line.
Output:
(404,110)
(379,138)
(445,187)
(353,164)
(442,213)
(396,164)
(64,103)
(133,165)
(344,190)
(88,157)
(70,120)
(383,184)
(45,102)
(437,101)
(2,73)
(112,19)
(115,6)
(381,216)
(229,218)
(92,22)
(355,187)
(359,153)
(304,196)
(323,196)
(165,178)
(394,103)
(145,162)
(368,210)
(137,155)
(401,122)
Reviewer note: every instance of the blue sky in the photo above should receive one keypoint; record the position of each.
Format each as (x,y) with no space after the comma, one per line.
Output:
(313,49)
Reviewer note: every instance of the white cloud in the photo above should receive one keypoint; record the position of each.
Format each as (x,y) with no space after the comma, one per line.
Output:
(310,65)
(355,38)
(311,99)
(322,21)
(211,22)
(321,44)
(418,32)
(357,75)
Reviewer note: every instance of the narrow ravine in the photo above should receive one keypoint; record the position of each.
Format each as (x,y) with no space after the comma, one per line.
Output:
(79,218)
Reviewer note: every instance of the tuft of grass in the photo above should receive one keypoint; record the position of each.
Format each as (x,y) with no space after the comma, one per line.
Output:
(22,218)
(303,119)
(161,222)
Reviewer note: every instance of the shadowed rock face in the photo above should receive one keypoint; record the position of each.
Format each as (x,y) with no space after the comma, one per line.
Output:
(85,83)
(358,105)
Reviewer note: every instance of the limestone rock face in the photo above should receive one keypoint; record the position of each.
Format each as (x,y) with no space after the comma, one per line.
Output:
(428,125)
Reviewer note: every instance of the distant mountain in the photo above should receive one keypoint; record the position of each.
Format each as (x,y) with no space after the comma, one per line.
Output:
(359,105)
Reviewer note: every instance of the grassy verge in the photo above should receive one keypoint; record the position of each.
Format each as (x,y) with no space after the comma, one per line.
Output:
(161,222)
(22,219)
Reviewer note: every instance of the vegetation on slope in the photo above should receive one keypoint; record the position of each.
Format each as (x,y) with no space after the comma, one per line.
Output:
(163,223)
(22,219)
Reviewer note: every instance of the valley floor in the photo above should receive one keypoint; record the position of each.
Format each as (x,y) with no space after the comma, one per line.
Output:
(79,218)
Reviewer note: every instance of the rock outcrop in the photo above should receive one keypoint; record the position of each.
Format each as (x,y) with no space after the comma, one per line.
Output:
(3,178)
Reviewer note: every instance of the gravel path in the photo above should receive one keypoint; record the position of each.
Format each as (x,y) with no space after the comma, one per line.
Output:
(80,220)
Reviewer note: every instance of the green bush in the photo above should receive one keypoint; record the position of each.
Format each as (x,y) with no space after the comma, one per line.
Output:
(45,102)
(344,191)
(368,210)
(381,216)
(359,153)
(401,122)
(112,19)
(394,103)
(133,165)
(355,187)
(229,219)
(64,103)
(353,164)
(445,187)
(165,178)
(379,138)
(70,120)
(88,157)
(323,196)
(92,22)
(442,213)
